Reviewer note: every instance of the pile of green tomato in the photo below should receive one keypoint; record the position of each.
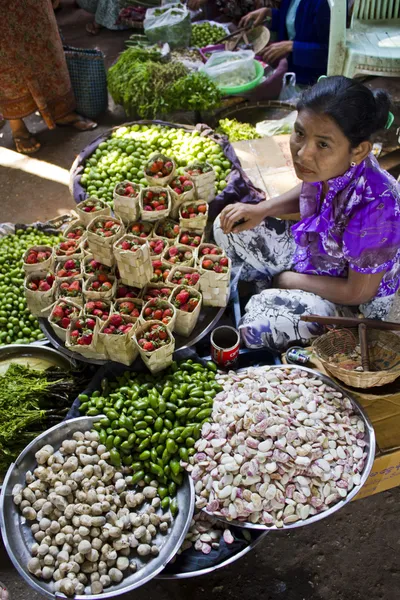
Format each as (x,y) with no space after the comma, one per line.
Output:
(17,325)
(151,423)
(125,154)
(206,34)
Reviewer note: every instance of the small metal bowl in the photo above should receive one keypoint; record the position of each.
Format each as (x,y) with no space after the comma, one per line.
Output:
(18,538)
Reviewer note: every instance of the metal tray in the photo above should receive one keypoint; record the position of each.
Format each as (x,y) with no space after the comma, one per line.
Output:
(224,563)
(208,319)
(370,448)
(14,351)
(17,536)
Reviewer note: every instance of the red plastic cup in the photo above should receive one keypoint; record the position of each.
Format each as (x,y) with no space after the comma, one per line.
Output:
(225,342)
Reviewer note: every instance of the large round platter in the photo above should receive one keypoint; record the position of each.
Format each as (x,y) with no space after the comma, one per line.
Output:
(369,448)
(208,319)
(18,538)
(33,356)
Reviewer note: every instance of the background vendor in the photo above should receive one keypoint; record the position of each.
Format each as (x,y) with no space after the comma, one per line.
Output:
(303,36)
(343,256)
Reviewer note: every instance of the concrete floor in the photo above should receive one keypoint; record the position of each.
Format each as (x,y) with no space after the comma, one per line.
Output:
(353,555)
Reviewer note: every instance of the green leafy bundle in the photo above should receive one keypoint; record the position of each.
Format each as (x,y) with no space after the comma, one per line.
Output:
(237,131)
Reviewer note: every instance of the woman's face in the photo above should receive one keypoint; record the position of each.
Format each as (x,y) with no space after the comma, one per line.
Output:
(320,150)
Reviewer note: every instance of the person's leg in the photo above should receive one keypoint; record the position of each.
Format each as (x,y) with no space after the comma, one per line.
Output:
(261,252)
(272,318)
(24,140)
(75,120)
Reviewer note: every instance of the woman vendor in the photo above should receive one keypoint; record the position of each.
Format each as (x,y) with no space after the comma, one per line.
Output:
(33,72)
(303,34)
(343,256)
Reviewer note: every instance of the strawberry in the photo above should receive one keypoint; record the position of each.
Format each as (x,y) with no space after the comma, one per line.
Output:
(92,205)
(159,167)
(116,320)
(181,184)
(189,211)
(186,300)
(57,313)
(42,256)
(130,243)
(124,291)
(65,322)
(155,200)
(141,229)
(105,227)
(82,331)
(160,271)
(180,278)
(190,238)
(221,265)
(157,246)
(126,189)
(76,233)
(101,282)
(67,248)
(154,337)
(176,255)
(154,292)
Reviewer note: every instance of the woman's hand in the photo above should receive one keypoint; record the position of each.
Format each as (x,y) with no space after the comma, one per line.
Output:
(196,4)
(255,17)
(240,217)
(276,51)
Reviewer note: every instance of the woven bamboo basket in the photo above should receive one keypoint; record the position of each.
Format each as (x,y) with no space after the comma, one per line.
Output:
(199,232)
(165,266)
(186,263)
(159,359)
(156,286)
(101,247)
(59,292)
(183,270)
(162,181)
(126,208)
(130,228)
(107,295)
(46,265)
(163,304)
(115,309)
(215,287)
(38,301)
(198,222)
(383,350)
(92,350)
(158,228)
(74,225)
(186,321)
(119,348)
(154,215)
(135,268)
(179,199)
(86,217)
(88,258)
(60,332)
(59,265)
(199,254)
(204,184)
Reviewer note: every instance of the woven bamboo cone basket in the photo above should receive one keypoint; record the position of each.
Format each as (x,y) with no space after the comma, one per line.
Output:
(186,321)
(135,268)
(154,215)
(107,295)
(183,270)
(46,265)
(215,287)
(60,332)
(87,217)
(38,301)
(125,208)
(61,262)
(59,293)
(91,351)
(199,222)
(101,247)
(160,359)
(160,181)
(163,305)
(119,348)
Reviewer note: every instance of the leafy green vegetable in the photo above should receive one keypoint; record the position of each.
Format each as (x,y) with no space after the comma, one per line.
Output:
(151,88)
(237,131)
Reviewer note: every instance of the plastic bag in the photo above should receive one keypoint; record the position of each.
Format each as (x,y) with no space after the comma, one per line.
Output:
(231,69)
(170,24)
(278,126)
(290,91)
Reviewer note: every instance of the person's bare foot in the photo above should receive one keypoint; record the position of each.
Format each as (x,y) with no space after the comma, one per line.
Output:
(77,121)
(93,28)
(25,142)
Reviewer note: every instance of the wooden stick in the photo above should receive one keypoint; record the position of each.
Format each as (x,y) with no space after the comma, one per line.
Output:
(352,322)
(362,336)
(239,31)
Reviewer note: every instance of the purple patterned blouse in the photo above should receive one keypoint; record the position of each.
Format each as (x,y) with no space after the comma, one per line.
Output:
(357,225)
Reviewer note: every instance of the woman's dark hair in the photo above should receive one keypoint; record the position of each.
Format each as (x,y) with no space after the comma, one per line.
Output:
(358,111)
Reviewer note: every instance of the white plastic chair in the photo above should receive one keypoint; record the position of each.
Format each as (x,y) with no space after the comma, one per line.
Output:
(371,45)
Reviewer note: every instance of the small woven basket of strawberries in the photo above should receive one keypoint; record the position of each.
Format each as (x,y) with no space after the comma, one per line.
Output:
(100,287)
(159,170)
(70,248)
(182,190)
(166,229)
(207,250)
(70,289)
(179,255)
(190,237)
(156,345)
(215,276)
(98,308)
(203,176)
(188,276)
(128,307)
(91,208)
(157,290)
(103,232)
(38,258)
(126,201)
(68,267)
(187,302)
(39,291)
(159,310)
(157,247)
(193,215)
(116,339)
(133,259)
(82,337)
(63,311)
(127,291)
(161,270)
(155,203)
(93,267)
(142,229)
(75,231)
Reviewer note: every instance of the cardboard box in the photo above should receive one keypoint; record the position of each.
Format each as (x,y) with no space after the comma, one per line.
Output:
(382,405)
